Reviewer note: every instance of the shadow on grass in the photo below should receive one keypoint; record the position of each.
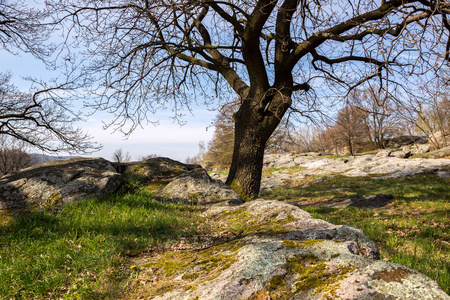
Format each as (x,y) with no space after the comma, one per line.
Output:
(417,188)
(79,248)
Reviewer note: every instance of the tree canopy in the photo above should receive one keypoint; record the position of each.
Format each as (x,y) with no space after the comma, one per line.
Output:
(276,55)
(42,117)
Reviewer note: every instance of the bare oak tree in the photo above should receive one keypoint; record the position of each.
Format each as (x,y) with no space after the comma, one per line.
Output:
(42,117)
(276,55)
(22,29)
(428,112)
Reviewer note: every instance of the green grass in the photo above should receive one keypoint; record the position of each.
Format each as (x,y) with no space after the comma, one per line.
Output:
(289,170)
(220,172)
(79,251)
(85,250)
(442,154)
(414,230)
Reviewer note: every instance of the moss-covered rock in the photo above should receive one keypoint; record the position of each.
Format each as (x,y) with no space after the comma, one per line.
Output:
(281,252)
(58,182)
(196,187)
(155,168)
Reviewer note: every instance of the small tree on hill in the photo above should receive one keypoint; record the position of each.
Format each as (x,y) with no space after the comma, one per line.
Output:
(220,148)
(378,113)
(13,156)
(350,127)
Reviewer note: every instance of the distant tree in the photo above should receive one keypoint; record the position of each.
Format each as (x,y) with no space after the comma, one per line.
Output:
(378,113)
(276,55)
(13,156)
(350,127)
(119,156)
(41,118)
(146,157)
(283,139)
(200,157)
(328,140)
(428,111)
(220,148)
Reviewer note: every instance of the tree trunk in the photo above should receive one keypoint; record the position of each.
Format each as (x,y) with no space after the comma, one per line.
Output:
(253,127)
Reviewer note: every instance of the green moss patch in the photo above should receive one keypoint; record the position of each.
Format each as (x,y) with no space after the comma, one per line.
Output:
(307,275)
(300,244)
(244,222)
(238,189)
(189,269)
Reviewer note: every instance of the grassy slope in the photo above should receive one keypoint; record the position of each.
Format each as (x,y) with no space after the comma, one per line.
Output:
(82,251)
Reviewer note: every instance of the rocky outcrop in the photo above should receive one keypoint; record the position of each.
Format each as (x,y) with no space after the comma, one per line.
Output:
(384,164)
(401,141)
(59,182)
(278,251)
(155,168)
(197,187)
(404,153)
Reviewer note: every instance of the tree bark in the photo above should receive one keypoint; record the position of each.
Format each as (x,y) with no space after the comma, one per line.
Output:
(254,125)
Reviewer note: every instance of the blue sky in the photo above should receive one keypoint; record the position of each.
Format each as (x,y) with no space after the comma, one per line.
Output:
(168,139)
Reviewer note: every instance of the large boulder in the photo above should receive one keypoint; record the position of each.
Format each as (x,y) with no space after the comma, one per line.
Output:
(155,168)
(197,187)
(405,153)
(277,251)
(405,140)
(59,182)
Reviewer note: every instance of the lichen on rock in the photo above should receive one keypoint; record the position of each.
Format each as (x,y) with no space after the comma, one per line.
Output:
(155,168)
(197,187)
(58,182)
(281,252)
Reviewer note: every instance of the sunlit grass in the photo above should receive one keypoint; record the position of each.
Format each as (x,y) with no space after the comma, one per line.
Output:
(288,170)
(414,230)
(77,252)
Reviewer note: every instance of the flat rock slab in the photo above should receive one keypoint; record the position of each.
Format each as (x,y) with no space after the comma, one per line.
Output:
(281,252)
(58,182)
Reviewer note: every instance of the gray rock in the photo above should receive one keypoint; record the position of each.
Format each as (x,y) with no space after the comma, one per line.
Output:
(406,140)
(405,153)
(279,160)
(197,187)
(284,251)
(155,168)
(270,160)
(383,153)
(442,152)
(59,182)
(363,165)
(425,148)
(285,160)
(443,174)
